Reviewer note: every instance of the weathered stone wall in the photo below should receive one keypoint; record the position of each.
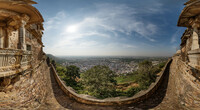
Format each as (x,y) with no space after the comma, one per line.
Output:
(187,84)
(37,51)
(27,90)
(194,58)
(13,38)
(141,96)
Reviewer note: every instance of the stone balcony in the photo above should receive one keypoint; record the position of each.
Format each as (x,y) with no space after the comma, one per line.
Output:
(14,61)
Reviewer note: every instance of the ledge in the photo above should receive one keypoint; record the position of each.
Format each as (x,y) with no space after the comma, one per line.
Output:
(15,71)
(196,51)
(194,58)
(142,95)
(14,61)
(4,51)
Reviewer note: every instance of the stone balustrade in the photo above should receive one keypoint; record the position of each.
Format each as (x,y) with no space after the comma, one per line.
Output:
(14,61)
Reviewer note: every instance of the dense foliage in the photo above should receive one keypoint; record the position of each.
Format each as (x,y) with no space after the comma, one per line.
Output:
(98,81)
(101,82)
(72,73)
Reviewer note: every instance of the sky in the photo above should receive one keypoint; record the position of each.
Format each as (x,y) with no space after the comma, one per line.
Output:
(111,27)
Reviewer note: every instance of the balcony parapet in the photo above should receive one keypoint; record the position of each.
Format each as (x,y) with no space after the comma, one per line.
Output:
(14,61)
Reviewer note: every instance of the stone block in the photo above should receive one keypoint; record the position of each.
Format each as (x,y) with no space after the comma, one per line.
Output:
(6,81)
(194,57)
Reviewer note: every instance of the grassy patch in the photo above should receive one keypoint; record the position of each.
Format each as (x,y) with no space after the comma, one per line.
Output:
(126,79)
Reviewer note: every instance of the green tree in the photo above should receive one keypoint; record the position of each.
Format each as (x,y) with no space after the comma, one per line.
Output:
(99,81)
(145,74)
(72,72)
(53,63)
(61,70)
(145,67)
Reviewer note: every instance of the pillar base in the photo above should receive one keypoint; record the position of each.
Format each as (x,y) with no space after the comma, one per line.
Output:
(21,46)
(194,57)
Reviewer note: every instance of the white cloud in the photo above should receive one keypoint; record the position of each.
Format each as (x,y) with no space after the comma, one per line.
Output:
(176,35)
(55,22)
(109,21)
(124,19)
(129,46)
(155,8)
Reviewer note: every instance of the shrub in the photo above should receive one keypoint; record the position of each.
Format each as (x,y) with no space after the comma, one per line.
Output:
(99,82)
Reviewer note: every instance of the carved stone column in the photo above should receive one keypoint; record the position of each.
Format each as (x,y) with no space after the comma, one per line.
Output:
(6,37)
(1,37)
(22,32)
(195,37)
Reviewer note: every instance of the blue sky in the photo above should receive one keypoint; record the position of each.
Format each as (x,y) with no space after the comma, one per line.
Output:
(111,27)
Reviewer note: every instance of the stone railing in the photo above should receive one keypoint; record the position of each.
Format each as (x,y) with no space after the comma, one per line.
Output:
(14,61)
(143,95)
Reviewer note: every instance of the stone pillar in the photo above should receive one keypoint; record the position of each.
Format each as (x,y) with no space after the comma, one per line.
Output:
(195,37)
(2,34)
(22,33)
(1,37)
(6,37)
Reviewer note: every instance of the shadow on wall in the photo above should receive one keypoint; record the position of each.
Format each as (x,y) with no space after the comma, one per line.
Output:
(153,101)
(69,103)
(159,94)
(195,73)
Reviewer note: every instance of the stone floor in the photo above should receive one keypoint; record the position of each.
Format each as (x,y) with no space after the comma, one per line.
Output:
(164,98)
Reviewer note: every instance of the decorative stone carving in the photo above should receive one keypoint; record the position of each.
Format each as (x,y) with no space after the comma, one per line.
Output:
(1,37)
(7,13)
(12,61)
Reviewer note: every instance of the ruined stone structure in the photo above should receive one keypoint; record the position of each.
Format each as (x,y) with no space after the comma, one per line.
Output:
(23,71)
(27,81)
(20,37)
(190,46)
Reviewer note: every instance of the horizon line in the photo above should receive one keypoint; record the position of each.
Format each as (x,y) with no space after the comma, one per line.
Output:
(105,56)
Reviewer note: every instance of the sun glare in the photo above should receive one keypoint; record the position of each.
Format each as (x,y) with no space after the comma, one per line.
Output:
(72,29)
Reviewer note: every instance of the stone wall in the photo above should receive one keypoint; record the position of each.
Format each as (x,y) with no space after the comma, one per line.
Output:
(194,58)
(187,83)
(13,39)
(27,90)
(143,95)
(37,51)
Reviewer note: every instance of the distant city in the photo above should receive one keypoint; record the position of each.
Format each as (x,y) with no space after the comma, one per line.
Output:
(120,65)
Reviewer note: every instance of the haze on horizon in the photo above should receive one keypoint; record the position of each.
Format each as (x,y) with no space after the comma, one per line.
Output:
(110,27)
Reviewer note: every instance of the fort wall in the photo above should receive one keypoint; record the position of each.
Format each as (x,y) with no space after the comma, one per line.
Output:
(187,83)
(27,90)
(112,101)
